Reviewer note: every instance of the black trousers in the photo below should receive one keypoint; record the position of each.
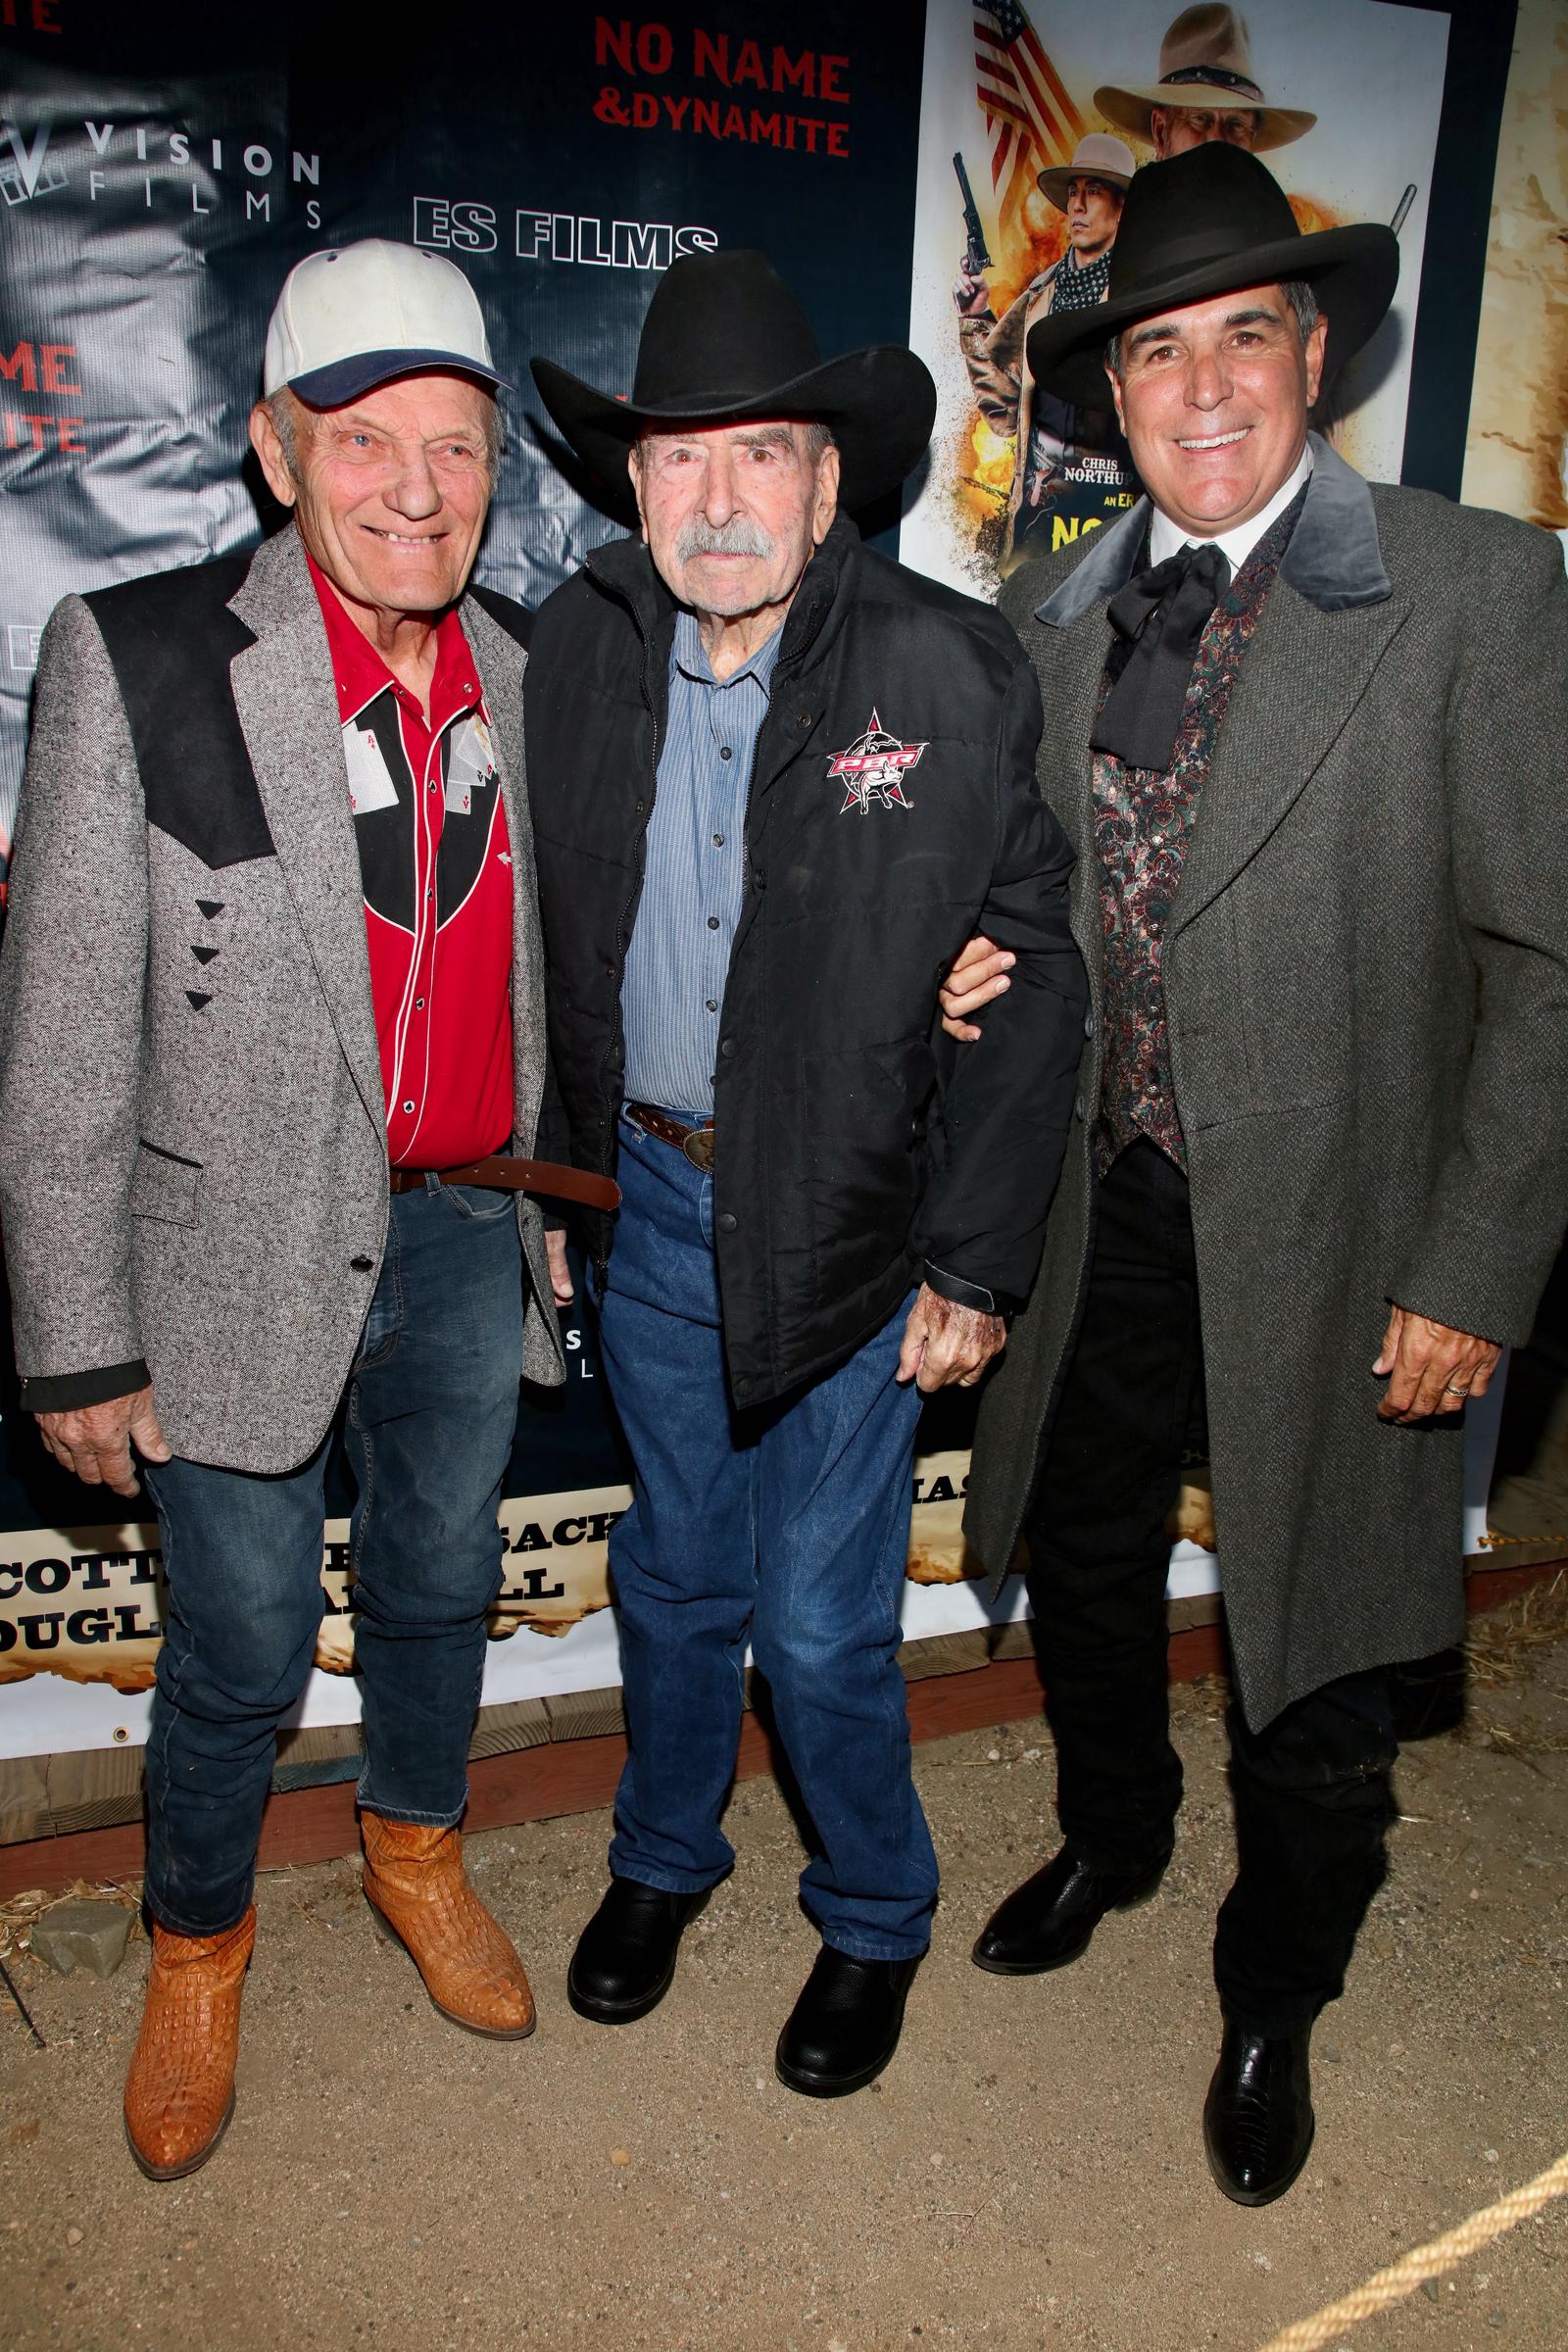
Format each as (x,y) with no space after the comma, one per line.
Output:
(1312,1791)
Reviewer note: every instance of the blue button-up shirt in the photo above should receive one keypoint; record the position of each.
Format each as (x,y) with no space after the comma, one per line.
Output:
(694,875)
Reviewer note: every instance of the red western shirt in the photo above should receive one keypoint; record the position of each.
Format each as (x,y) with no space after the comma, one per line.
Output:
(436,868)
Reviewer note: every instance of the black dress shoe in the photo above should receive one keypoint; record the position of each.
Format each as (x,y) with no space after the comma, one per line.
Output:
(846,2025)
(1257,2117)
(1049,1920)
(625,1956)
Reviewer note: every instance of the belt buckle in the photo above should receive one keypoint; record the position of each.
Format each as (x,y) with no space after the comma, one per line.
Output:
(697,1147)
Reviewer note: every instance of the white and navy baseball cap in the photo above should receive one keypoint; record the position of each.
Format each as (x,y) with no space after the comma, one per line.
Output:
(357,315)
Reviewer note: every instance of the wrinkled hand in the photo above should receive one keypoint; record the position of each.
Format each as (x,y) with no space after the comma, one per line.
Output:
(946,1345)
(975,978)
(970,294)
(1432,1367)
(561,1281)
(96,1440)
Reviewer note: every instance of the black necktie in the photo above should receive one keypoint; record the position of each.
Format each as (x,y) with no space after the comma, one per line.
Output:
(1158,619)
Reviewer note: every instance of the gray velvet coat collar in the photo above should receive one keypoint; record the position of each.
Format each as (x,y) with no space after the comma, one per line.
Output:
(1334,560)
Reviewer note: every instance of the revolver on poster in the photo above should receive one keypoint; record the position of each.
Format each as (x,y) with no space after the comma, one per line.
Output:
(975,258)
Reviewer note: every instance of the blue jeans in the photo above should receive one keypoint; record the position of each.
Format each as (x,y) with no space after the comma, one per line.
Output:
(431,1408)
(790,1525)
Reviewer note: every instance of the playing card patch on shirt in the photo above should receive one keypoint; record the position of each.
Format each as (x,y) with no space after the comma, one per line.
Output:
(470,764)
(370,784)
(874,769)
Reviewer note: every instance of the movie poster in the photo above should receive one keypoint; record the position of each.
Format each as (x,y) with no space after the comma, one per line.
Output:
(1034,116)
(1517,448)
(159,174)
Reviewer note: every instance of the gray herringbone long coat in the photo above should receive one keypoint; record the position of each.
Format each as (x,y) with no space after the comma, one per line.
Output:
(1367,978)
(200,1180)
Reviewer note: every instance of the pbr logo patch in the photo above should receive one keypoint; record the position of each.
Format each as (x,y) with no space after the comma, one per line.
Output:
(874,769)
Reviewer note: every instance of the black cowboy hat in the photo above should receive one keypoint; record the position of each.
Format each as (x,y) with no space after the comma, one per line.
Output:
(724,341)
(1203,224)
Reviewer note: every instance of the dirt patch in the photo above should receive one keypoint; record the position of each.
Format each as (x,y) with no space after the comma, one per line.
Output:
(1028,2173)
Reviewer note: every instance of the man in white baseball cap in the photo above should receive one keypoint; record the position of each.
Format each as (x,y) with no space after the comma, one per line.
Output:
(359,315)
(261,1180)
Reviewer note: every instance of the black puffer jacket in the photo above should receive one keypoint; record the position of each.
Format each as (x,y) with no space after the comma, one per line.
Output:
(855,1146)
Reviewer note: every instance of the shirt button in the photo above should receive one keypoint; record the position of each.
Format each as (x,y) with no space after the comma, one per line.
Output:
(724,751)
(1089,1024)
(1078,1107)
(363,1264)
(718,840)
(418,1003)
(727,1224)
(728,1046)
(711,1002)
(429,894)
(713,922)
(408,1107)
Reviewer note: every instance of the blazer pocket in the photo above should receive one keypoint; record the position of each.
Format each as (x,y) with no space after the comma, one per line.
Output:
(164,1186)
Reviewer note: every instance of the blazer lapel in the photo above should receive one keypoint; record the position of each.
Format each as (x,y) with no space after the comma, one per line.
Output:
(287,703)
(1301,681)
(1068,663)
(501,663)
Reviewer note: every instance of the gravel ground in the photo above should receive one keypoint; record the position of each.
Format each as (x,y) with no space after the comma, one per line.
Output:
(1028,2172)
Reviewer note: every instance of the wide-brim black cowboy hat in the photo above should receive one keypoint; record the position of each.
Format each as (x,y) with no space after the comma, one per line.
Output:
(1203,223)
(725,341)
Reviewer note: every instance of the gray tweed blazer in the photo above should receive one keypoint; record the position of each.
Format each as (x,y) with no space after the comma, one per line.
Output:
(204,1186)
(1366,982)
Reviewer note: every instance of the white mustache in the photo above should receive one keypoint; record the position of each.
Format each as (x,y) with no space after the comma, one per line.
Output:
(740,536)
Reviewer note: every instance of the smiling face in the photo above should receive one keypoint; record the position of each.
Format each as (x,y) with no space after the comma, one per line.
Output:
(732,514)
(1094,208)
(390,492)
(1214,400)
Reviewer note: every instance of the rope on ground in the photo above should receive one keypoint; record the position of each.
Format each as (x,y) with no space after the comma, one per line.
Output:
(1403,2277)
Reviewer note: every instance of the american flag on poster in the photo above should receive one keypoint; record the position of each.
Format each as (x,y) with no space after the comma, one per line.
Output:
(1032,122)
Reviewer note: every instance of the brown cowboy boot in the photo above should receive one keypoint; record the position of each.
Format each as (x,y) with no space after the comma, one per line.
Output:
(414,1880)
(179,2092)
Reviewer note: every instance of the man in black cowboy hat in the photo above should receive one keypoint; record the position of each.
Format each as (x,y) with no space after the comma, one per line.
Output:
(776,780)
(1305,736)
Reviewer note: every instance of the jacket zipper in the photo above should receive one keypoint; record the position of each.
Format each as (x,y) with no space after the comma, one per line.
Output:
(601,1255)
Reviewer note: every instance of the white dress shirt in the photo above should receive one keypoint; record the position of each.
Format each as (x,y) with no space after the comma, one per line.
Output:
(1167,538)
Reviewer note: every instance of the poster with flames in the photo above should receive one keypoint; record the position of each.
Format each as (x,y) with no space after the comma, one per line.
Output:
(1342,101)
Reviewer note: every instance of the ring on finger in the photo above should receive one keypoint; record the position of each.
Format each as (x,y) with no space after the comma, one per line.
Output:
(1453,1387)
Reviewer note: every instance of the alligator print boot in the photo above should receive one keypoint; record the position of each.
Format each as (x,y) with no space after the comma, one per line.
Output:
(179,2093)
(416,1882)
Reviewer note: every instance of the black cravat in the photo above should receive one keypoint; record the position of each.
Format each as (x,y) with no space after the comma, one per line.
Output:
(1158,619)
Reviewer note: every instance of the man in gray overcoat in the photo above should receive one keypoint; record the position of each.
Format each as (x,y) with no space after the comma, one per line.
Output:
(1306,738)
(271,1024)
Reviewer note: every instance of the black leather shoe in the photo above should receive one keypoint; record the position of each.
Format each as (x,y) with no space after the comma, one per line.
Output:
(625,1956)
(846,2025)
(1049,1920)
(1257,2119)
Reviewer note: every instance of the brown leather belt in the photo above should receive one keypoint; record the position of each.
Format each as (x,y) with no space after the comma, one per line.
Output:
(503,1175)
(696,1141)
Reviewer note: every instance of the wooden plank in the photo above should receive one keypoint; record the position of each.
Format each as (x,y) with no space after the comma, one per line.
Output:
(584,1714)
(515,1723)
(24,1798)
(945,1653)
(580,1775)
